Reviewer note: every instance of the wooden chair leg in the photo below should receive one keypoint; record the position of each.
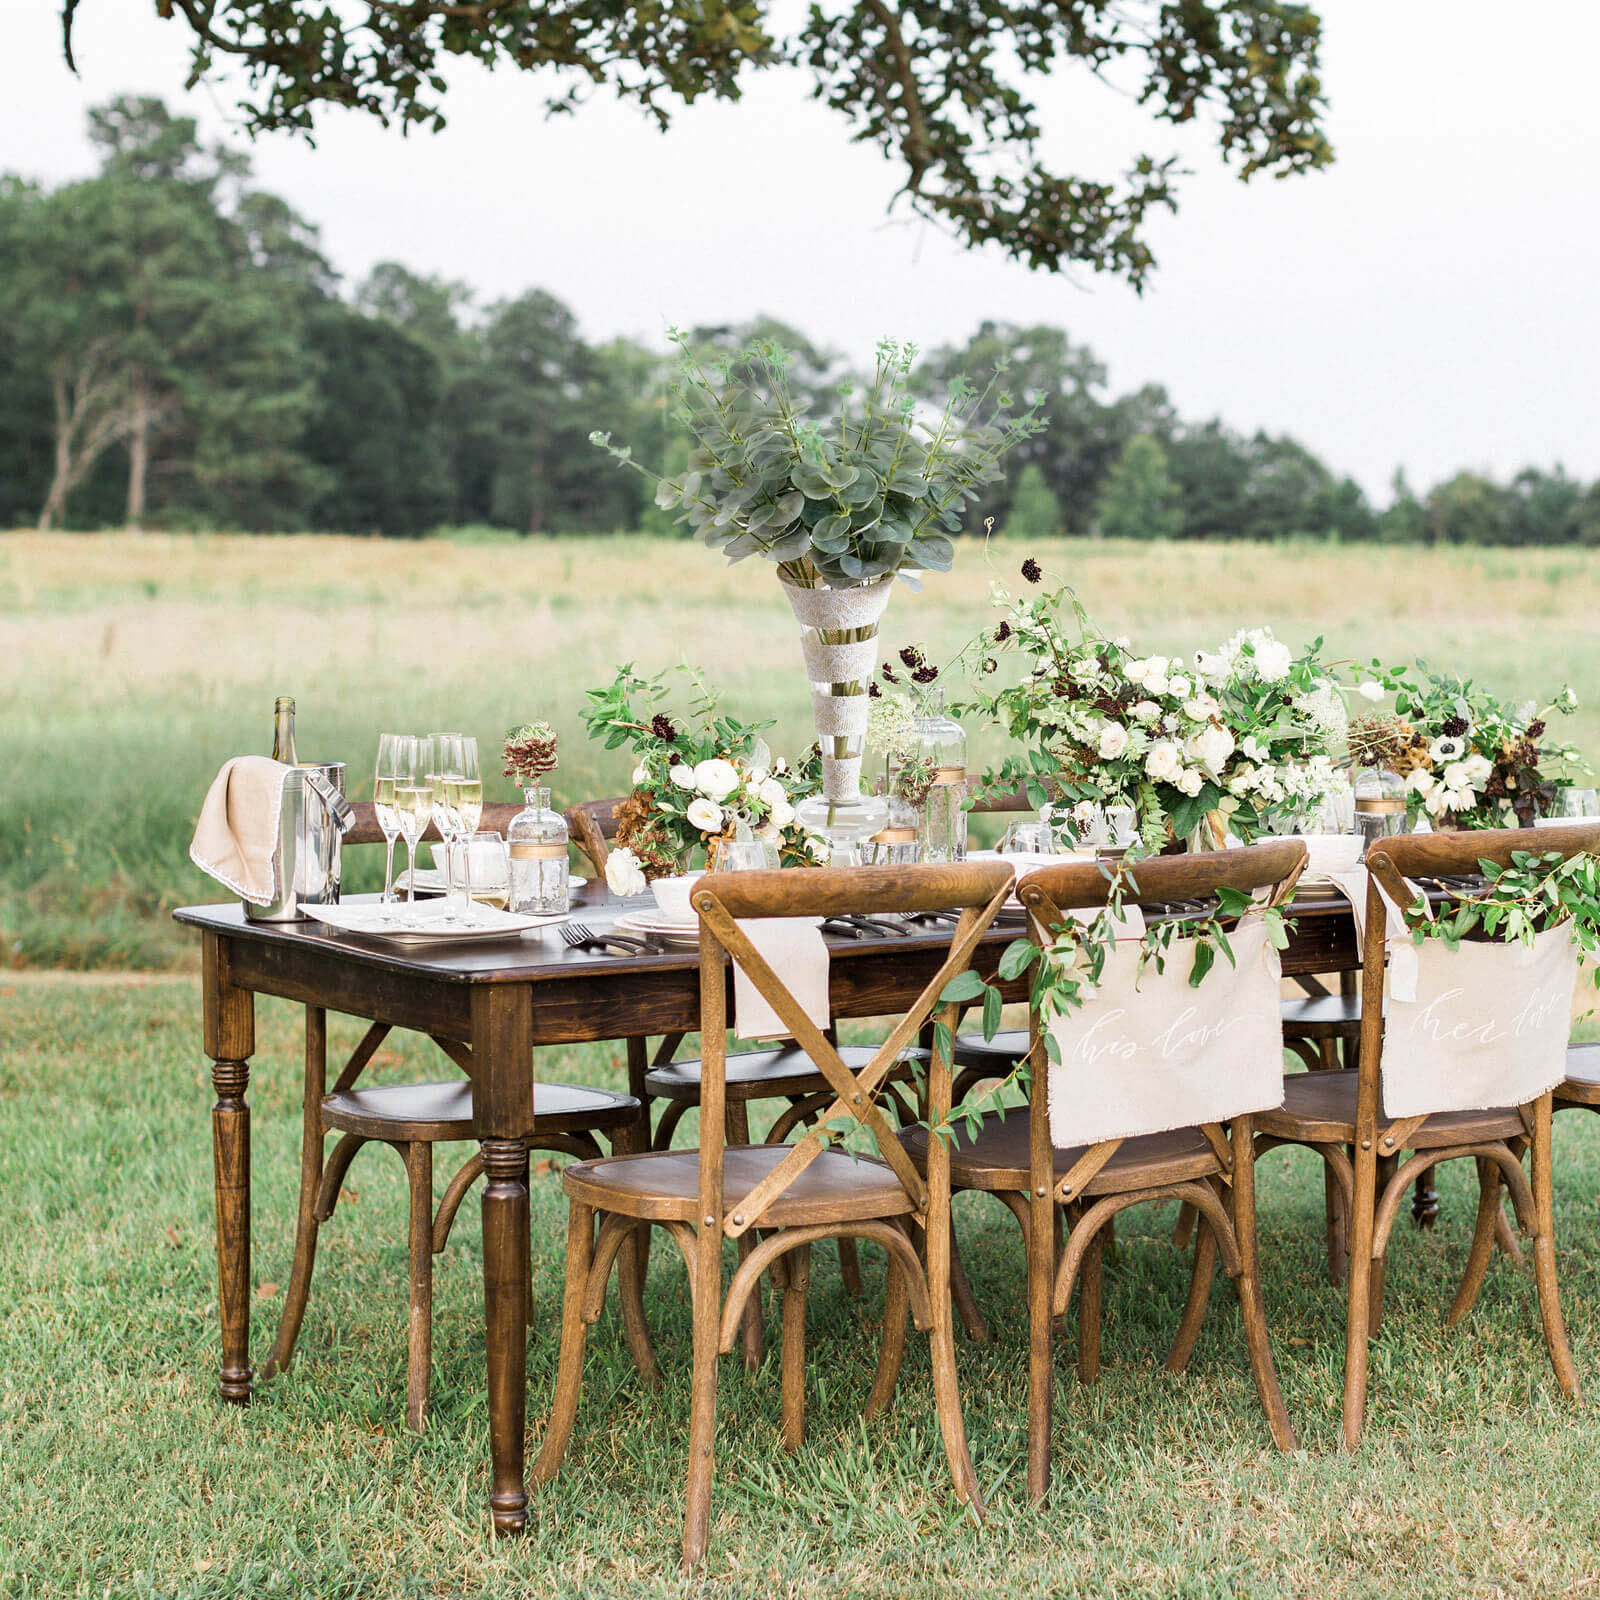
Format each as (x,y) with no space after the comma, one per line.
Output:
(632,1261)
(1183,1228)
(1358,1290)
(1544,1254)
(849,1265)
(1043,1245)
(895,1304)
(1194,1311)
(574,1336)
(1251,1305)
(1483,1236)
(418,1157)
(752,1339)
(972,1322)
(305,1260)
(1335,1224)
(1386,1171)
(1089,1309)
(796,1283)
(703,1394)
(1506,1239)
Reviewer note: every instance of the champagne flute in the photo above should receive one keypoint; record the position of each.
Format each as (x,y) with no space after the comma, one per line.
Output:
(463,787)
(436,749)
(413,800)
(388,769)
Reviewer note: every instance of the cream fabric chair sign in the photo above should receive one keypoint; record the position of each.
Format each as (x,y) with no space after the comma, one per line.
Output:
(1486,1025)
(1147,1052)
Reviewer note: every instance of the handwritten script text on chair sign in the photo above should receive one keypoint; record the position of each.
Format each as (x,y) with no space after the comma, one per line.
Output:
(1534,1016)
(1177,1038)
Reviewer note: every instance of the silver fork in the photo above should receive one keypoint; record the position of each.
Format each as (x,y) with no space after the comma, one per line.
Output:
(580,937)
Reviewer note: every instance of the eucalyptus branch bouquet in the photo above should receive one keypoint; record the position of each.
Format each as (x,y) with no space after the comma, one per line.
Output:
(873,490)
(696,782)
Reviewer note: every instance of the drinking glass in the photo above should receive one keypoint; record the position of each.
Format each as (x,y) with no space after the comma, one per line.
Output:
(438,750)
(1028,839)
(463,791)
(745,855)
(413,803)
(487,853)
(389,767)
(1572,805)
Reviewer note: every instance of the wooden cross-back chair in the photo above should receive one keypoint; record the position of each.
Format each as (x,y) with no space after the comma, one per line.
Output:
(1012,1156)
(793,1195)
(411,1118)
(1332,1112)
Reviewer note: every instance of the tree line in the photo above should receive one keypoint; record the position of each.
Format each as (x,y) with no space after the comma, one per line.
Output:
(177,352)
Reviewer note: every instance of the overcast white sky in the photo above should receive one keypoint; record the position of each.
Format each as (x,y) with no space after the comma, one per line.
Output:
(1429,302)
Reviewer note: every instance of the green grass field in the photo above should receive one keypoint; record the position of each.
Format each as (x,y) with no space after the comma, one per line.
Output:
(134,666)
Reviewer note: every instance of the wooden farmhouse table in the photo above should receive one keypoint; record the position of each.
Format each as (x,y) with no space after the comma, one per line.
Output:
(502,1000)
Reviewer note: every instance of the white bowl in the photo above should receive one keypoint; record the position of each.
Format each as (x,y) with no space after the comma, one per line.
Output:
(1332,852)
(672,896)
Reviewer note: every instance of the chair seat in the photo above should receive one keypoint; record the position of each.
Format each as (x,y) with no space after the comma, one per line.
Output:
(1002,1052)
(442,1111)
(997,1159)
(1322,1016)
(1582,1085)
(664,1185)
(757,1074)
(1320,1108)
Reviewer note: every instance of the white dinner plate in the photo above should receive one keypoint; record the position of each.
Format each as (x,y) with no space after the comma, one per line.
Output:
(425,924)
(431,880)
(660,925)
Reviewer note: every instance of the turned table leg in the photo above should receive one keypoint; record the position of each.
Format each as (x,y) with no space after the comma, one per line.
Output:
(230,1042)
(502,1031)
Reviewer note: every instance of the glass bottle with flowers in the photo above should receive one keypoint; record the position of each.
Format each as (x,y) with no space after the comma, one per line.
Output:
(936,761)
(536,838)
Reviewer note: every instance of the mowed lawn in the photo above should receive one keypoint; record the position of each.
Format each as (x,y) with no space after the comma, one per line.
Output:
(134,666)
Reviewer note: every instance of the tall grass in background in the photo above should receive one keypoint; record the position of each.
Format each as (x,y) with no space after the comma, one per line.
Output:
(131,667)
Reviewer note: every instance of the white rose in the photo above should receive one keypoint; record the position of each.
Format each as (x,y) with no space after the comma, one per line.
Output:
(1215,746)
(706,815)
(716,778)
(1456,776)
(1477,769)
(782,812)
(1190,781)
(1136,671)
(1113,741)
(624,875)
(1210,666)
(1196,710)
(1240,782)
(771,791)
(1178,685)
(682,775)
(1273,659)
(1158,666)
(1371,690)
(640,774)
(1253,749)
(1156,683)
(1164,761)
(1147,711)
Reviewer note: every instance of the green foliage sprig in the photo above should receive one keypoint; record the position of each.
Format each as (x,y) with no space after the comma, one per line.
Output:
(878,490)
(1536,891)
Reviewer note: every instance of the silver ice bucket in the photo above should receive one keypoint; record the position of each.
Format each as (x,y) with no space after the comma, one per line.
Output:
(311,827)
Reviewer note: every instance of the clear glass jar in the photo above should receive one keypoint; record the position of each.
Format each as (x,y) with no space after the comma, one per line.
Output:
(536,841)
(896,843)
(939,747)
(1380,798)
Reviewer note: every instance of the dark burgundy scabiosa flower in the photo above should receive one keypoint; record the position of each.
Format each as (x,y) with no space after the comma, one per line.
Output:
(661,726)
(1536,727)
(1454,727)
(1002,633)
(1031,570)
(874,692)
(925,674)
(911,657)
(888,673)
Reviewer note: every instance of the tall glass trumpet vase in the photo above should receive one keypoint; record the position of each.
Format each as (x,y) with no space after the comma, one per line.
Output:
(839,640)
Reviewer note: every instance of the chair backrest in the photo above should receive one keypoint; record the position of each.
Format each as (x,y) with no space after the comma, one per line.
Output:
(592,825)
(497,815)
(1148,1052)
(724,899)
(1489,1021)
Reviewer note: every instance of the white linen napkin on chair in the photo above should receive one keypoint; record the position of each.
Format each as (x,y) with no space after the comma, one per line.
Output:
(236,839)
(1352,884)
(798,955)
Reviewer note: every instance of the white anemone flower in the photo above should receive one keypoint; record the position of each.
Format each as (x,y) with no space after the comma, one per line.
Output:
(1447,748)
(683,775)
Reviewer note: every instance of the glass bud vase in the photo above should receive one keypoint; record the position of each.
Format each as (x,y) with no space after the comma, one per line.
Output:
(939,748)
(895,844)
(1380,799)
(536,840)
